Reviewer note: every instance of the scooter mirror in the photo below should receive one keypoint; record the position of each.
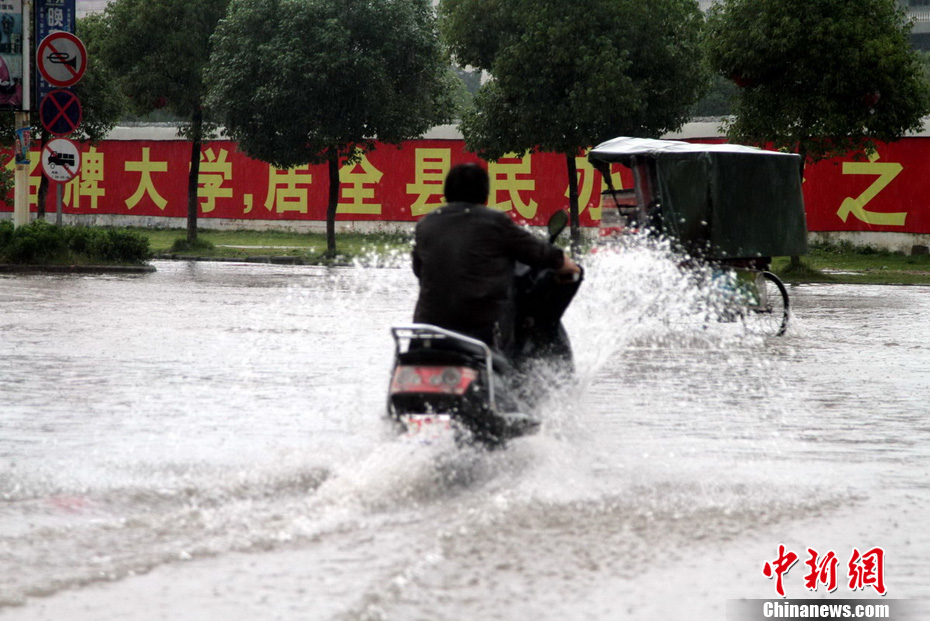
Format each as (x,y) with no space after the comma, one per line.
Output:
(557,223)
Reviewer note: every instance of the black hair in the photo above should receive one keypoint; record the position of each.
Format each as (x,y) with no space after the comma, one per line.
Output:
(467,183)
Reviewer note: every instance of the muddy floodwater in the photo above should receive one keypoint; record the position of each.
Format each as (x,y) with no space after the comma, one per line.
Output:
(205,442)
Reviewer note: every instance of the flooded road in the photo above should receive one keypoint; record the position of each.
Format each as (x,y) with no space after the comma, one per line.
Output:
(205,442)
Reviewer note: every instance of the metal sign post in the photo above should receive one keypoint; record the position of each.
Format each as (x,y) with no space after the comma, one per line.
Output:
(58,187)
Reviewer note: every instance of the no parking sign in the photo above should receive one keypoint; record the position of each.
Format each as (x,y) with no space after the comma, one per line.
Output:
(60,112)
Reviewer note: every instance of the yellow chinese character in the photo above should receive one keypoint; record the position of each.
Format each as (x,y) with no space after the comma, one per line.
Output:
(356,188)
(214,171)
(504,178)
(288,189)
(88,182)
(146,186)
(886,173)
(589,181)
(431,168)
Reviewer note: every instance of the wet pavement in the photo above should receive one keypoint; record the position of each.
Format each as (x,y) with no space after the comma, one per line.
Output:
(205,442)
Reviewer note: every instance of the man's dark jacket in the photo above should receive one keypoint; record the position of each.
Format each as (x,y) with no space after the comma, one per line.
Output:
(464,256)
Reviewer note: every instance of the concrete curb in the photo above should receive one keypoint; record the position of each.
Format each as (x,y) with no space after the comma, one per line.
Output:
(272,259)
(76,269)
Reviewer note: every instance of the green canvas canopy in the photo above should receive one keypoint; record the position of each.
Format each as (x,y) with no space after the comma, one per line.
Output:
(721,200)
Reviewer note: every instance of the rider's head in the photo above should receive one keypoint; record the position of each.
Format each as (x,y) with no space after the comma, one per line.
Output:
(467,183)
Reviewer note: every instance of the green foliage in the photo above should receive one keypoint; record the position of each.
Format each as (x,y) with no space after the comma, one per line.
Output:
(799,271)
(842,261)
(718,101)
(387,247)
(818,77)
(476,30)
(569,75)
(7,182)
(465,85)
(102,101)
(158,49)
(846,247)
(313,81)
(42,243)
(924,57)
(186,245)
(471,79)
(294,81)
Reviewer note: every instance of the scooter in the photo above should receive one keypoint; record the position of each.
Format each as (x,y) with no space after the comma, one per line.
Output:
(447,384)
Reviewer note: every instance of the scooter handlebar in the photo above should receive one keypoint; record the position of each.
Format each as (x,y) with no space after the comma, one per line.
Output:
(567,278)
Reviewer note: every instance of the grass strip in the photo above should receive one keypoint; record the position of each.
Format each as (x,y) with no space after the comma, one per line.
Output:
(840,262)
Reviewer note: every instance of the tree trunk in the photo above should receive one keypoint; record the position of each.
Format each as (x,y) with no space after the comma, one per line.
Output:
(38,142)
(193,179)
(43,194)
(333,203)
(573,203)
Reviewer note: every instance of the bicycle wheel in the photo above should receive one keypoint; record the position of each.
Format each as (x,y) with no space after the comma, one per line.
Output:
(770,315)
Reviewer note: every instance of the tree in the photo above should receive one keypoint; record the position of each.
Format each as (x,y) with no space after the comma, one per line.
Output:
(818,77)
(568,75)
(300,82)
(717,102)
(158,49)
(102,100)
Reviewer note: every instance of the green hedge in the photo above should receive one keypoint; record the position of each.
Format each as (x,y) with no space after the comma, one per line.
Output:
(41,243)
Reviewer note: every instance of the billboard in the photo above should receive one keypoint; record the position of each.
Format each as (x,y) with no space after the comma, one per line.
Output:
(11,54)
(889,192)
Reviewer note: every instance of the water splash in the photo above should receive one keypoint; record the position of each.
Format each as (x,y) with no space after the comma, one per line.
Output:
(644,292)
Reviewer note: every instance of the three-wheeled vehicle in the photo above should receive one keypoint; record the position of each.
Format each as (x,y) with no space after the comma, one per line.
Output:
(730,206)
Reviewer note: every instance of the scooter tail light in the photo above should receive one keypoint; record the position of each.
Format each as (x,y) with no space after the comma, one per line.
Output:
(447,380)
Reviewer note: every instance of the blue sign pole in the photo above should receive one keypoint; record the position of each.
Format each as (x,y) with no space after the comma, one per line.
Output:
(51,16)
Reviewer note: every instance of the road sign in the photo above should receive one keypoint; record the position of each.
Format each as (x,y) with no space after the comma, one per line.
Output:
(61,160)
(62,59)
(51,15)
(60,112)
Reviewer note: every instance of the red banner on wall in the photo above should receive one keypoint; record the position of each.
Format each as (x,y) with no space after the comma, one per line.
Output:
(889,191)
(149,178)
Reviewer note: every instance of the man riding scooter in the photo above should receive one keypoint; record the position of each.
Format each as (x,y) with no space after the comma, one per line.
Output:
(464,258)
(487,307)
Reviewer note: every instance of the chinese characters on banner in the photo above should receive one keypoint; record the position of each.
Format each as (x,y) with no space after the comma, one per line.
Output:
(885,192)
(149,177)
(864,569)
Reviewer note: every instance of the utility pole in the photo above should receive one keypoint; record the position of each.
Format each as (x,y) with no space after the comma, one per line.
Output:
(21,174)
